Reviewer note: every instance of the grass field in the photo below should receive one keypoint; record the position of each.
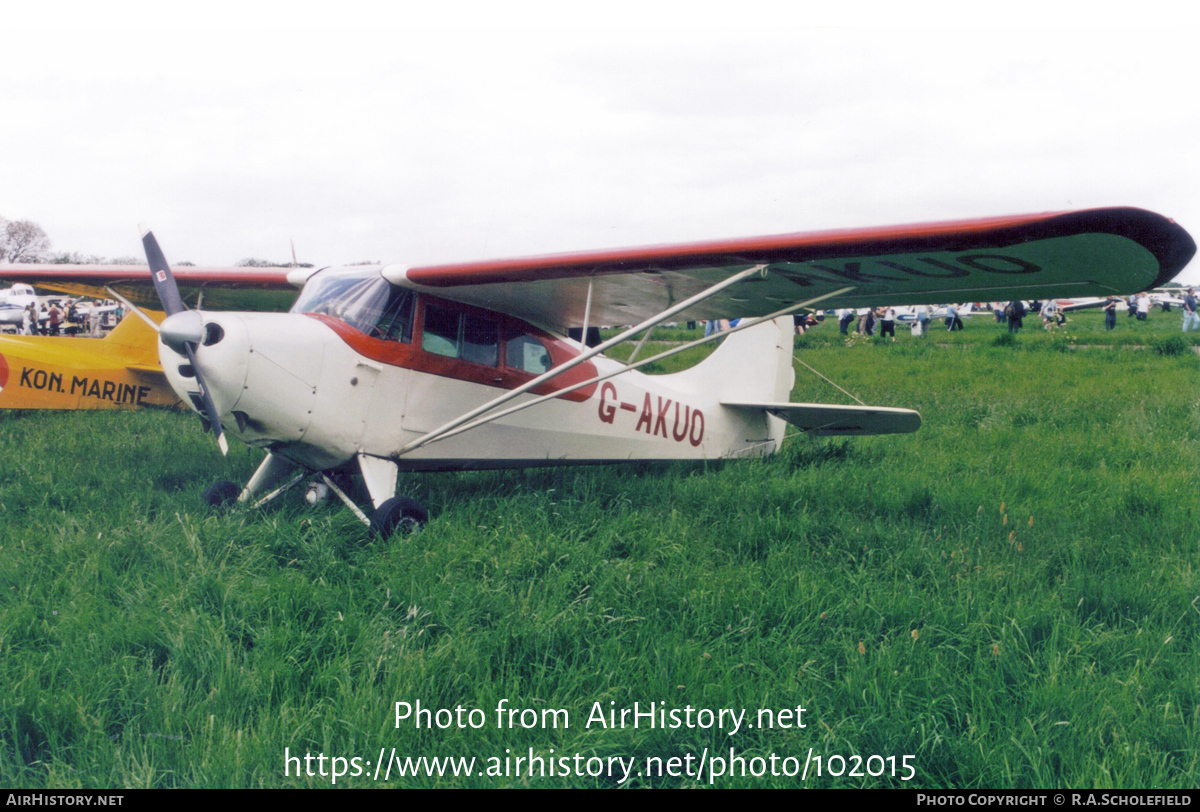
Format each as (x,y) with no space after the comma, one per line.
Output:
(1010,596)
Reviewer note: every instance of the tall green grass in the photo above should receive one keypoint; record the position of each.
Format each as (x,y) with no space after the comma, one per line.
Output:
(1010,594)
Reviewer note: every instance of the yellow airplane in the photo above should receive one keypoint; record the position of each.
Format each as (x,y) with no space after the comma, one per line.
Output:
(121,370)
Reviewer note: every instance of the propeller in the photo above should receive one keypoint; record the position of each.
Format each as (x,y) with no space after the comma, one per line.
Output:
(182,330)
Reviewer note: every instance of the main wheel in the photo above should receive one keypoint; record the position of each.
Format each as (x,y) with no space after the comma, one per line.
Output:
(398,514)
(221,493)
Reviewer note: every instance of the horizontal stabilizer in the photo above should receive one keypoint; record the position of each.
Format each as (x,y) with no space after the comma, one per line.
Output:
(824,419)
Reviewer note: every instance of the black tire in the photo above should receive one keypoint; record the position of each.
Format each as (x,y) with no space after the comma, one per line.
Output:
(398,514)
(221,493)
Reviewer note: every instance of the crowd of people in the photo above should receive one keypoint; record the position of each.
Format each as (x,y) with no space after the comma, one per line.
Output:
(51,320)
(865,320)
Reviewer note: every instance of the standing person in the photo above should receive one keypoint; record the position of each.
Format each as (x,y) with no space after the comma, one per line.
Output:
(1190,319)
(1131,304)
(860,326)
(845,316)
(1016,315)
(1110,312)
(54,316)
(26,320)
(1143,306)
(1050,314)
(953,322)
(888,323)
(923,318)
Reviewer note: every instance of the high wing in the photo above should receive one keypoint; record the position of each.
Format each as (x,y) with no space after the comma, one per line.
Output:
(225,288)
(1095,252)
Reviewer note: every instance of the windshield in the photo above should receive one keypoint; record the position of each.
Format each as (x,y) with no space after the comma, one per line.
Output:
(358,296)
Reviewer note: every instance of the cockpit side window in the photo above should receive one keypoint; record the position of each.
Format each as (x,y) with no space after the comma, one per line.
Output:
(457,334)
(396,324)
(481,340)
(527,354)
(440,335)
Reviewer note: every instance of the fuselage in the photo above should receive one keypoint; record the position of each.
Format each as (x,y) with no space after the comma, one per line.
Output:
(327,382)
(116,372)
(19,295)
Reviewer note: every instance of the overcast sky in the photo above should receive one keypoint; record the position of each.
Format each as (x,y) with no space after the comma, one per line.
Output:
(410,138)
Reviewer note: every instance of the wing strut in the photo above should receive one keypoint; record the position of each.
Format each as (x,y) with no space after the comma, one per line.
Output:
(638,348)
(587,311)
(586,355)
(742,325)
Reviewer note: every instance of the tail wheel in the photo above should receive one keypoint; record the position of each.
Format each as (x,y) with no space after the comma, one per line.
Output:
(221,493)
(398,514)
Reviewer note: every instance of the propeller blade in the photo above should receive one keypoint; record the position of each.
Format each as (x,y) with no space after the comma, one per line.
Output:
(160,273)
(172,302)
(210,408)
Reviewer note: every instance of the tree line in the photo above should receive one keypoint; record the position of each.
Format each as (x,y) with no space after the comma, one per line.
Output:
(24,241)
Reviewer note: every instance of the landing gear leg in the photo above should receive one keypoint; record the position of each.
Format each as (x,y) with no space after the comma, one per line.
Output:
(392,513)
(271,472)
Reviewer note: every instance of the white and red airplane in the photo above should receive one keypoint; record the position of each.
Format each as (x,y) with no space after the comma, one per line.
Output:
(388,369)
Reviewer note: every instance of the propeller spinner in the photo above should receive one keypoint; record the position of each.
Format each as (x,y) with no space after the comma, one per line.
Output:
(182,330)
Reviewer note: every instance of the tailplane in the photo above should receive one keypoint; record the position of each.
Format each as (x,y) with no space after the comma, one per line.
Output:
(828,420)
(752,373)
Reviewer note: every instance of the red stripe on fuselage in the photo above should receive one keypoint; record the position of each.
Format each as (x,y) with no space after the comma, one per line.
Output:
(411,356)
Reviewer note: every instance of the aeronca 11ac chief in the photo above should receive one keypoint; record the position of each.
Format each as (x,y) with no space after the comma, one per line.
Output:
(386,369)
